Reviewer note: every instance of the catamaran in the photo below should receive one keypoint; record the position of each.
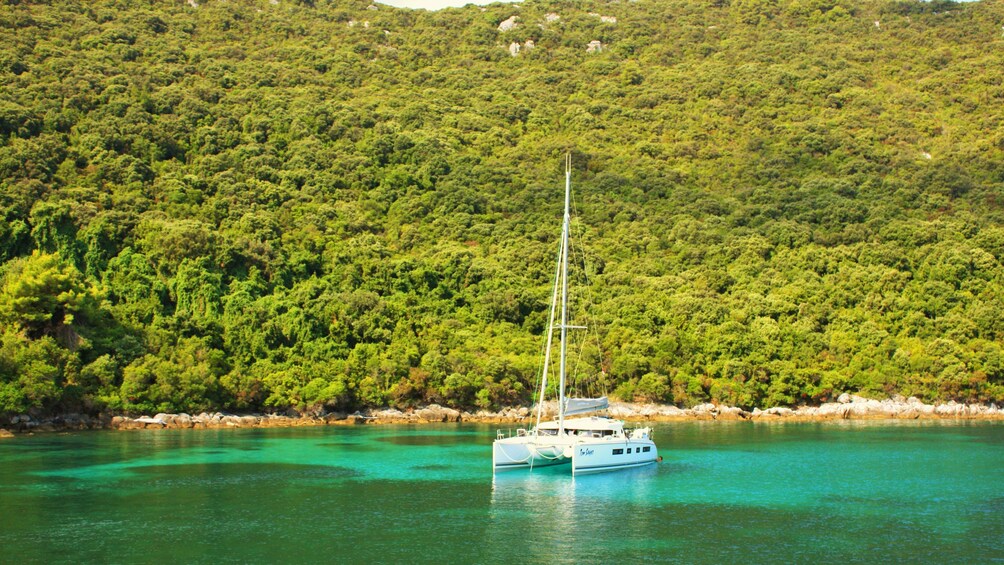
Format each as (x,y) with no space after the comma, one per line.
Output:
(591,444)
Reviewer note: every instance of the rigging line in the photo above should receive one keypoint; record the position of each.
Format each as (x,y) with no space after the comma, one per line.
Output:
(576,253)
(576,383)
(578,361)
(592,330)
(593,326)
(548,340)
(539,373)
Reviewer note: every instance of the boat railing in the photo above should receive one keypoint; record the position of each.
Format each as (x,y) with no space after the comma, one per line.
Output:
(638,433)
(520,432)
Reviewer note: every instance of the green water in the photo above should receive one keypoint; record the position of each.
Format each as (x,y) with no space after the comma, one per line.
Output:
(726,492)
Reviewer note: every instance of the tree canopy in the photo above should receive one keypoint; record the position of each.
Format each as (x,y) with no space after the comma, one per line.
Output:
(263,204)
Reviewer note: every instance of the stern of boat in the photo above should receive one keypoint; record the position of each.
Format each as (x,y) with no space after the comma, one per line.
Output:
(510,453)
(524,451)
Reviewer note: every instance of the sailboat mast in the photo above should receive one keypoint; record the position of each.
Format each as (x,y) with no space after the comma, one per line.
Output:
(550,338)
(564,293)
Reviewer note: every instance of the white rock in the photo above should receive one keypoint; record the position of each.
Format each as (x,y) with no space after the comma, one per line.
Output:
(148,420)
(832,409)
(949,409)
(508,24)
(857,409)
(672,411)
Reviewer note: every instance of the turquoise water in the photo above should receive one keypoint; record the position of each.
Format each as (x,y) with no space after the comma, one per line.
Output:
(726,492)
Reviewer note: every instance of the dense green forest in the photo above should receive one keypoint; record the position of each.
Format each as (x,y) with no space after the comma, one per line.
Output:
(257,205)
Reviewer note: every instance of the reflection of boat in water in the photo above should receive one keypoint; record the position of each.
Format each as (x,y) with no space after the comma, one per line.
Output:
(553,481)
(592,444)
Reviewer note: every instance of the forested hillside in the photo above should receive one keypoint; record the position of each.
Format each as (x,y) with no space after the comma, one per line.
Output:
(255,205)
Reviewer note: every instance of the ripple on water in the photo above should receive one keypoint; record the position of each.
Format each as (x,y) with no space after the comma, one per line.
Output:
(240,473)
(260,471)
(426,440)
(432,467)
(350,445)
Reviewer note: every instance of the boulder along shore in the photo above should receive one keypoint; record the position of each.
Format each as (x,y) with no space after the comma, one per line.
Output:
(847,407)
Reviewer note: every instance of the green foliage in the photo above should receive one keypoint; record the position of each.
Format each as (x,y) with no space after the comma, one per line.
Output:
(255,206)
(186,381)
(33,372)
(43,296)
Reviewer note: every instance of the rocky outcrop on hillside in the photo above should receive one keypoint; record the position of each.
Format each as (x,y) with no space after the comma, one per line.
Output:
(508,24)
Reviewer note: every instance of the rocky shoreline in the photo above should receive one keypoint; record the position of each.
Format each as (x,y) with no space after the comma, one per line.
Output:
(847,407)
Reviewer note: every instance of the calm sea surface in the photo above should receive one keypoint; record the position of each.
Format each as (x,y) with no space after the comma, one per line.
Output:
(726,493)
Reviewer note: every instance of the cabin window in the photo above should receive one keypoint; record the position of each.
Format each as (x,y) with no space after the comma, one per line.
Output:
(646,449)
(618,452)
(629,451)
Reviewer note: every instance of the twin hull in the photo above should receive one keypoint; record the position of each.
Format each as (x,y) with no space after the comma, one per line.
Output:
(586,455)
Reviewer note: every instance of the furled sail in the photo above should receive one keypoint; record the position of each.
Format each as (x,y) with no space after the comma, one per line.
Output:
(583,405)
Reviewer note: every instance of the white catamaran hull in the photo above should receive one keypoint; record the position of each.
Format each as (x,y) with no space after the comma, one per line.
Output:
(524,452)
(601,456)
(591,445)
